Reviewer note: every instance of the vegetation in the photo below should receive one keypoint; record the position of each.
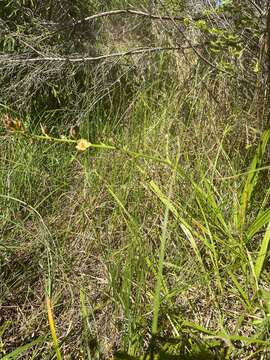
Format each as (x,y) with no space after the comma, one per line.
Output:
(134,180)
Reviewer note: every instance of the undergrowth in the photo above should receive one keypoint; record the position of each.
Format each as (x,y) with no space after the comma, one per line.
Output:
(138,229)
(151,240)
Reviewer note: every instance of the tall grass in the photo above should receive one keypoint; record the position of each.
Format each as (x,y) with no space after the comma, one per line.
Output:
(151,243)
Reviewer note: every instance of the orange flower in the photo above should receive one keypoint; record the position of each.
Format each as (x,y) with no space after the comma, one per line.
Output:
(12,124)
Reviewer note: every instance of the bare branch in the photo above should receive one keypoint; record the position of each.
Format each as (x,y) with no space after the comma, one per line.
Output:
(81,59)
(137,13)
(129,12)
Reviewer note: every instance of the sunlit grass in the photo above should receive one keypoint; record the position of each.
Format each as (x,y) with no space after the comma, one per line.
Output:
(151,238)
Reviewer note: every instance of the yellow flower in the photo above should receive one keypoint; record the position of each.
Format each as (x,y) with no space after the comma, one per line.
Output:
(83,144)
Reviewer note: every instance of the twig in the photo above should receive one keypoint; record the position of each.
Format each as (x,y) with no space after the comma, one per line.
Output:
(130,12)
(257,7)
(5,60)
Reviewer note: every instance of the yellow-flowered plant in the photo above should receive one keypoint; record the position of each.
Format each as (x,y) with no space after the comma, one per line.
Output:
(83,145)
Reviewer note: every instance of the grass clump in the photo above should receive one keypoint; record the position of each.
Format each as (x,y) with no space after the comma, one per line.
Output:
(149,243)
(141,232)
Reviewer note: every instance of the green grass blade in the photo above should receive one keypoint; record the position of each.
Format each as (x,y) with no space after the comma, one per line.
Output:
(187,229)
(213,253)
(245,339)
(193,244)
(159,282)
(197,327)
(160,272)
(129,219)
(209,201)
(154,270)
(265,201)
(258,224)
(22,349)
(240,289)
(262,253)
(251,180)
